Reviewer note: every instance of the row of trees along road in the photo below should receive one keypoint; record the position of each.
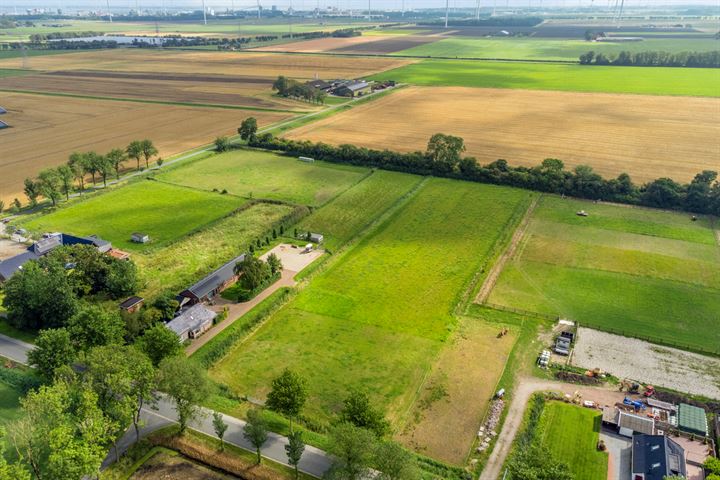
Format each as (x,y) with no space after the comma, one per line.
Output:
(55,183)
(443,157)
(654,59)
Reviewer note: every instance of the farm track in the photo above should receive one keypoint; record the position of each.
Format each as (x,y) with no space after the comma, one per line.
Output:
(509,253)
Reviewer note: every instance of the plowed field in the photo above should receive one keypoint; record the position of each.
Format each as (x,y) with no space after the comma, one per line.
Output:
(645,136)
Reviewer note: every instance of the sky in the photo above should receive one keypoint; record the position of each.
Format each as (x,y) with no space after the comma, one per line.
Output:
(70,5)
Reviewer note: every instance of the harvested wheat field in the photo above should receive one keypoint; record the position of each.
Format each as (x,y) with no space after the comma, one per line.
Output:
(46,129)
(203,89)
(267,65)
(645,136)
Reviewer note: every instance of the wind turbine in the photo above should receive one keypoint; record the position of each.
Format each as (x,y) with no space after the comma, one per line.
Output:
(107,2)
(204,13)
(447,10)
(259,8)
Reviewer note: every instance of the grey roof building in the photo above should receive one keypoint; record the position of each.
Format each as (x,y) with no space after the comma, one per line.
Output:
(211,285)
(656,456)
(192,322)
(3,124)
(12,265)
(2,111)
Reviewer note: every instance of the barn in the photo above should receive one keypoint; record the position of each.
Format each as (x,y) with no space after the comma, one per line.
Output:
(210,286)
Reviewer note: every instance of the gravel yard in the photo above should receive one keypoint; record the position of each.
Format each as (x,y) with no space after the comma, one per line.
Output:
(649,363)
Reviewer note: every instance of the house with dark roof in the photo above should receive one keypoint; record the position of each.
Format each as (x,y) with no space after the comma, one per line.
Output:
(192,322)
(319,84)
(655,457)
(45,245)
(210,286)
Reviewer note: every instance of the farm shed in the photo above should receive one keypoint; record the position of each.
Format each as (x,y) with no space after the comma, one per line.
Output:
(629,424)
(211,285)
(132,304)
(656,456)
(119,254)
(102,245)
(140,237)
(317,237)
(319,84)
(352,89)
(192,322)
(692,420)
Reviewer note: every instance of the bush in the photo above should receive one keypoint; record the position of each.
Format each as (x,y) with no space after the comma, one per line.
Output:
(21,381)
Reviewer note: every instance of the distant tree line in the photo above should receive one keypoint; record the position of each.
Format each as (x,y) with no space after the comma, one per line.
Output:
(488,22)
(443,158)
(287,87)
(654,59)
(55,183)
(44,37)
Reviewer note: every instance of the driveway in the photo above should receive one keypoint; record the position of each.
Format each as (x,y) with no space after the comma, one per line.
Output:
(15,350)
(620,450)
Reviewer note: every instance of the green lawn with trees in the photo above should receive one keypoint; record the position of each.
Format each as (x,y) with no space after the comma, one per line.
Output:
(164,212)
(575,78)
(636,271)
(571,434)
(533,48)
(258,174)
(377,317)
(341,220)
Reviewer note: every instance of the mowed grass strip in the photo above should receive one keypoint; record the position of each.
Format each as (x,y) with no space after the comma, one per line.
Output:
(164,212)
(377,318)
(574,78)
(258,174)
(341,219)
(643,273)
(183,263)
(571,433)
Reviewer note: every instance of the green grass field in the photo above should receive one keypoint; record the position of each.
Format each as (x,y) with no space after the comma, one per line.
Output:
(550,49)
(378,316)
(357,207)
(579,78)
(183,263)
(642,272)
(165,212)
(258,174)
(571,433)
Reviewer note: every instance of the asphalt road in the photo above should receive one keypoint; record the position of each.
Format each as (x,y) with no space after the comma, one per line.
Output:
(13,349)
(314,461)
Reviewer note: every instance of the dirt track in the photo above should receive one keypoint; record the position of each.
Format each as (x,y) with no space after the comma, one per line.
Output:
(645,136)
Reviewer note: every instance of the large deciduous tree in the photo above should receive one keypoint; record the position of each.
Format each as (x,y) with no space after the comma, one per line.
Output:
(248,129)
(288,395)
(353,448)
(186,384)
(148,151)
(53,349)
(358,411)
(445,151)
(135,151)
(255,431)
(159,342)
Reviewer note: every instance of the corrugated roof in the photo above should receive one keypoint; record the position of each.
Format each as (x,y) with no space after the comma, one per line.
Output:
(692,419)
(191,319)
(131,302)
(660,404)
(636,423)
(217,278)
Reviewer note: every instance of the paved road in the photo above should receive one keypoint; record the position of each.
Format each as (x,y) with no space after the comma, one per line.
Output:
(14,349)
(314,461)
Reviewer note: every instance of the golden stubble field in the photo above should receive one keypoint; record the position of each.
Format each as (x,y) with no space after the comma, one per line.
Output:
(645,136)
(251,64)
(46,129)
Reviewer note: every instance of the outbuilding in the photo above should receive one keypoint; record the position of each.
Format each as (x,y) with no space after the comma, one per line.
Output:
(132,304)
(192,322)
(630,424)
(316,237)
(692,420)
(140,237)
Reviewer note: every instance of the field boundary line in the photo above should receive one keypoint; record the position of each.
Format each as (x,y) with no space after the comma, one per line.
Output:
(508,254)
(154,102)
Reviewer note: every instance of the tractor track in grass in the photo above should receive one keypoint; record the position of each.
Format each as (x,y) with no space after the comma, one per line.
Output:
(499,265)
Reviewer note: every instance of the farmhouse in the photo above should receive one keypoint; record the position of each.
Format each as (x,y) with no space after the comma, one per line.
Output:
(319,84)
(192,322)
(45,245)
(656,456)
(207,288)
(132,304)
